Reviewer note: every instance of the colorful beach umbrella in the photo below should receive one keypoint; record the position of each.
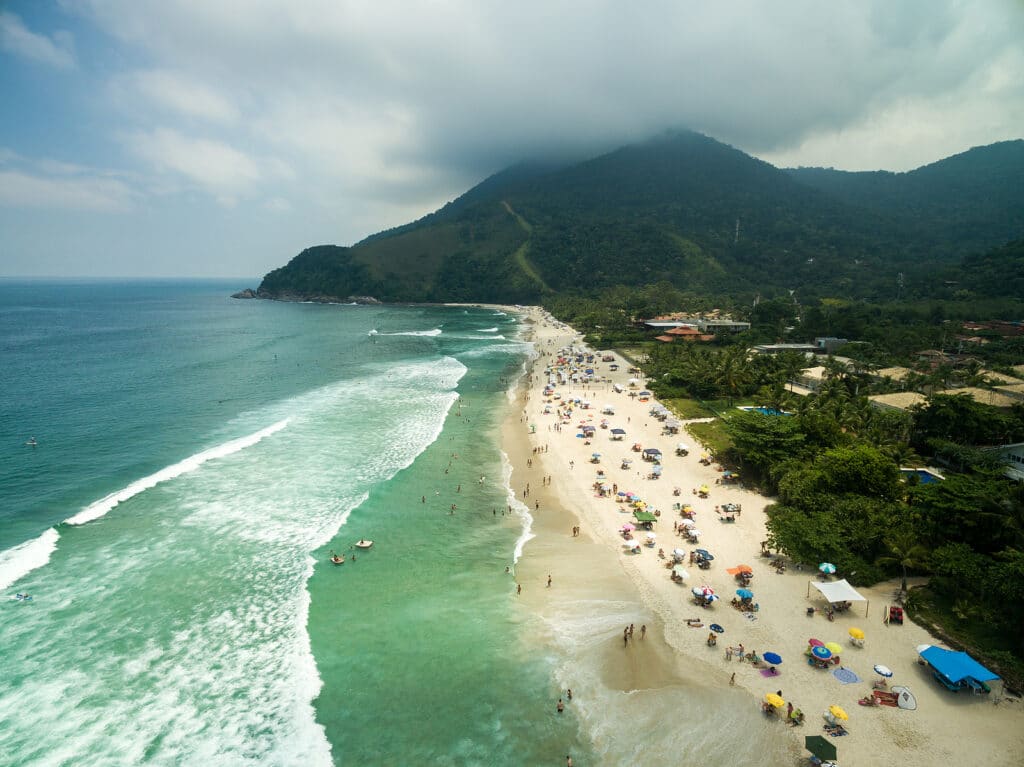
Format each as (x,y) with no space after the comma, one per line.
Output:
(628,527)
(821,652)
(815,643)
(775,700)
(772,658)
(716,628)
(744,593)
(704,553)
(833,647)
(883,671)
(827,567)
(838,713)
(856,633)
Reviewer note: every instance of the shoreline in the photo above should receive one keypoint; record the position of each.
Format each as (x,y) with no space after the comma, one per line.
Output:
(673,653)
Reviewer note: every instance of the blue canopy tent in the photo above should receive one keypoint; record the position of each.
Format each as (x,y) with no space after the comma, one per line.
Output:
(957,669)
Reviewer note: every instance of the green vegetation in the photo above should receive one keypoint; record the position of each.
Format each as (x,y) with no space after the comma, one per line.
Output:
(695,217)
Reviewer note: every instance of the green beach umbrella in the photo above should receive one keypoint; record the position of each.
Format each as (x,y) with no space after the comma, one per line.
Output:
(820,747)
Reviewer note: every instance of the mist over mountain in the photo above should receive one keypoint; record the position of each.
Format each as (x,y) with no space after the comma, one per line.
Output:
(688,210)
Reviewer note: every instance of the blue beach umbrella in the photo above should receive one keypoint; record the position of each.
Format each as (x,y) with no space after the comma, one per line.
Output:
(716,628)
(883,670)
(704,553)
(744,593)
(827,567)
(772,658)
(821,653)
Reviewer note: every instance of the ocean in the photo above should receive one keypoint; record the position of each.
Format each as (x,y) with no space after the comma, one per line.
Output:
(198,459)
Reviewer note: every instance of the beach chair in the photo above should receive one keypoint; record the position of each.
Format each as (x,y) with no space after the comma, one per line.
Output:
(896,615)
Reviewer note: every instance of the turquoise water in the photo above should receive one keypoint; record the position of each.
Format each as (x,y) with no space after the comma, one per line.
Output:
(197,458)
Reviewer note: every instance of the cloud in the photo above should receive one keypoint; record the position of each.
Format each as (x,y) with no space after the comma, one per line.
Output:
(179,94)
(24,190)
(17,39)
(213,165)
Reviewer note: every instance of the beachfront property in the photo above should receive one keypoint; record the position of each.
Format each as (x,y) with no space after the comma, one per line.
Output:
(903,400)
(779,348)
(1013,458)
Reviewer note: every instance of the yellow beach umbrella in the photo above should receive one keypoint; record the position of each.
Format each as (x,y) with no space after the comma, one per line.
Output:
(775,700)
(856,633)
(834,647)
(838,713)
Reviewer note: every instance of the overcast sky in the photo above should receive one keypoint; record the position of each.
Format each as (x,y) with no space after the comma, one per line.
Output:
(220,137)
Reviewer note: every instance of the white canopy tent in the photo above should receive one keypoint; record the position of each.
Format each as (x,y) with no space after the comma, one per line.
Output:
(839,591)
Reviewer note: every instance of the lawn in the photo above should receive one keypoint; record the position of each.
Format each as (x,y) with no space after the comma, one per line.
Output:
(712,435)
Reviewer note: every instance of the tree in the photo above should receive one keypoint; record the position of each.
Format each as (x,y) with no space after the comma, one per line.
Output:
(906,552)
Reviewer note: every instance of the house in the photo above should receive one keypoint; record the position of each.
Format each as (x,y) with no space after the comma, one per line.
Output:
(894,374)
(1013,457)
(1016,391)
(984,396)
(710,325)
(828,344)
(779,348)
(812,378)
(995,378)
(903,400)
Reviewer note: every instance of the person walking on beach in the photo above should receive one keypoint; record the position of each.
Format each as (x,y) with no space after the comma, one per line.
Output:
(549,581)
(630,630)
(519,589)
(568,693)
(625,636)
(732,679)
(643,631)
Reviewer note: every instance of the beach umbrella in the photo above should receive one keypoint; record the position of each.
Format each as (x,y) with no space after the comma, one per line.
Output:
(716,628)
(689,523)
(883,671)
(815,643)
(679,552)
(827,567)
(838,712)
(775,700)
(696,534)
(704,488)
(651,536)
(712,597)
(744,593)
(621,494)
(856,633)
(633,544)
(628,527)
(704,553)
(772,658)
(680,571)
(834,647)
(820,747)
(697,592)
(821,652)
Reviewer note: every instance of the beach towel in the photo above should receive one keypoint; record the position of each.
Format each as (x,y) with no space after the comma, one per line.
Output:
(845,676)
(769,673)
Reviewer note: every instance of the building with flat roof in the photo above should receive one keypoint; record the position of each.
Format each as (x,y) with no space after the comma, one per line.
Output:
(903,400)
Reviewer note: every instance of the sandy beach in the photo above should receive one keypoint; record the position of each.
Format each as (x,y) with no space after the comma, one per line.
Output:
(591,567)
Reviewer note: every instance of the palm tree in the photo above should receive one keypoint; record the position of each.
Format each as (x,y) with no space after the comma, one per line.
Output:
(905,551)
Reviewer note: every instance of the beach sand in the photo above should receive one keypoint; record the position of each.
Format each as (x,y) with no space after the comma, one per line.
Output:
(597,588)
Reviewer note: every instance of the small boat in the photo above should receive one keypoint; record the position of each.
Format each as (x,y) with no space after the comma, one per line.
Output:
(338,560)
(364,544)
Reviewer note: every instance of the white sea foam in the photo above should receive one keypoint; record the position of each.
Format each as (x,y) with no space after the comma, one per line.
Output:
(104,505)
(488,330)
(19,561)
(519,508)
(431,333)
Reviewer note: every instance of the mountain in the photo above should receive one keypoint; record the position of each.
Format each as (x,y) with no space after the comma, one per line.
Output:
(684,209)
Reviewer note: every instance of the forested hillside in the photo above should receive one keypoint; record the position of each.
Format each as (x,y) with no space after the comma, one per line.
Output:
(688,211)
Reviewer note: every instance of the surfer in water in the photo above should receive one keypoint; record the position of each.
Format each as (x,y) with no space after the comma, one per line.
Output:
(31,442)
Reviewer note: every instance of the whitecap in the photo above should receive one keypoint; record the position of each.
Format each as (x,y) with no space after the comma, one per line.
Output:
(19,561)
(99,508)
